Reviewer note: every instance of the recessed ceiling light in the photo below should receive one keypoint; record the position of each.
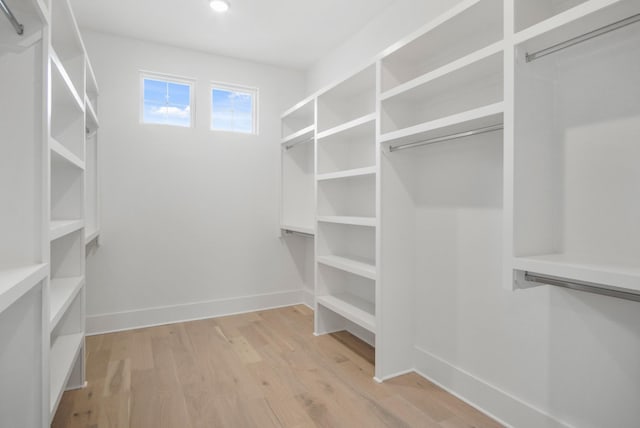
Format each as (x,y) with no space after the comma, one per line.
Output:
(219,6)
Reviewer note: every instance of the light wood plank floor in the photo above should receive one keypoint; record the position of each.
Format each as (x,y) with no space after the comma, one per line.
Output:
(263,369)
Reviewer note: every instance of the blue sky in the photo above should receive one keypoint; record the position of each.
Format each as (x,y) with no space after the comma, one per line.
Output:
(231,111)
(167,103)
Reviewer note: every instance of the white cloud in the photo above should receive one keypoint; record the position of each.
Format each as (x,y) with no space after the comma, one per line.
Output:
(172,112)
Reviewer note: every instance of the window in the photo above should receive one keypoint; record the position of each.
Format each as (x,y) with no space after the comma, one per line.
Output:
(234,108)
(166,100)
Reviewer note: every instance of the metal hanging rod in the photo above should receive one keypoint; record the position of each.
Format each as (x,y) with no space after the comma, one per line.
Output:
(295,232)
(287,147)
(478,131)
(7,12)
(583,38)
(582,286)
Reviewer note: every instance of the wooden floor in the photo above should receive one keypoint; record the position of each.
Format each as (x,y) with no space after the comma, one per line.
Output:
(263,369)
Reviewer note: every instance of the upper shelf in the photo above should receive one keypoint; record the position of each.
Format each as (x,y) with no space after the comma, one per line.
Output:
(32,15)
(470,26)
(625,277)
(461,122)
(16,281)
(298,118)
(67,43)
(60,228)
(356,123)
(586,17)
(351,99)
(302,136)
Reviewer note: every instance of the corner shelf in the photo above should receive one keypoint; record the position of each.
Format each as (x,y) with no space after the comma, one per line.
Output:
(363,268)
(33,16)
(91,236)
(16,281)
(306,230)
(346,220)
(303,135)
(353,308)
(60,228)
(344,127)
(625,277)
(92,122)
(580,19)
(460,122)
(63,291)
(62,357)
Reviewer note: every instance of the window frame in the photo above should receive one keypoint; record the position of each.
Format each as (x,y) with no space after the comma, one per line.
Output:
(170,78)
(233,87)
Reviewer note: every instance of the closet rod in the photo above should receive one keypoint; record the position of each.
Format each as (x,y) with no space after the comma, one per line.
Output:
(296,143)
(478,131)
(295,232)
(583,38)
(7,12)
(582,286)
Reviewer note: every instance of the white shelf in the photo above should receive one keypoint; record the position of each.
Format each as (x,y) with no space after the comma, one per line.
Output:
(33,16)
(352,221)
(357,172)
(91,82)
(469,120)
(458,66)
(582,269)
(60,228)
(62,293)
(308,230)
(303,135)
(64,352)
(371,117)
(60,154)
(362,268)
(91,117)
(16,281)
(353,308)
(62,79)
(91,236)
(574,22)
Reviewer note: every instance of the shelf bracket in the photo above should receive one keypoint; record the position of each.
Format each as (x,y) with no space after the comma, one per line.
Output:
(7,12)
(583,38)
(582,286)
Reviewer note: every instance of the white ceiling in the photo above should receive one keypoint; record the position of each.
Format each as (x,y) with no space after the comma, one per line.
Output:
(292,33)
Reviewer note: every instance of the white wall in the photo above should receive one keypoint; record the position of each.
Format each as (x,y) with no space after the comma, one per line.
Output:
(189,216)
(534,358)
(398,20)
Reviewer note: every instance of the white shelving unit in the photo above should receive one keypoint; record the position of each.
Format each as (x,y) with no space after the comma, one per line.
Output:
(71,116)
(92,173)
(347,169)
(23,225)
(297,208)
(573,208)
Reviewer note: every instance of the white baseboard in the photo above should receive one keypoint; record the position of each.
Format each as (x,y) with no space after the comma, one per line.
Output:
(149,317)
(483,396)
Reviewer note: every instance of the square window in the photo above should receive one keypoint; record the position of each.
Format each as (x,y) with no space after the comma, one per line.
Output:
(234,108)
(166,101)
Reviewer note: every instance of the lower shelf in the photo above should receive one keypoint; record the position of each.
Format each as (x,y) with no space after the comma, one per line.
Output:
(353,308)
(364,268)
(63,291)
(16,281)
(620,276)
(63,355)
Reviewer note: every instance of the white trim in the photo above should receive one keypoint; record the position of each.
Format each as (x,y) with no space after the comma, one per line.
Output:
(481,395)
(150,317)
(164,77)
